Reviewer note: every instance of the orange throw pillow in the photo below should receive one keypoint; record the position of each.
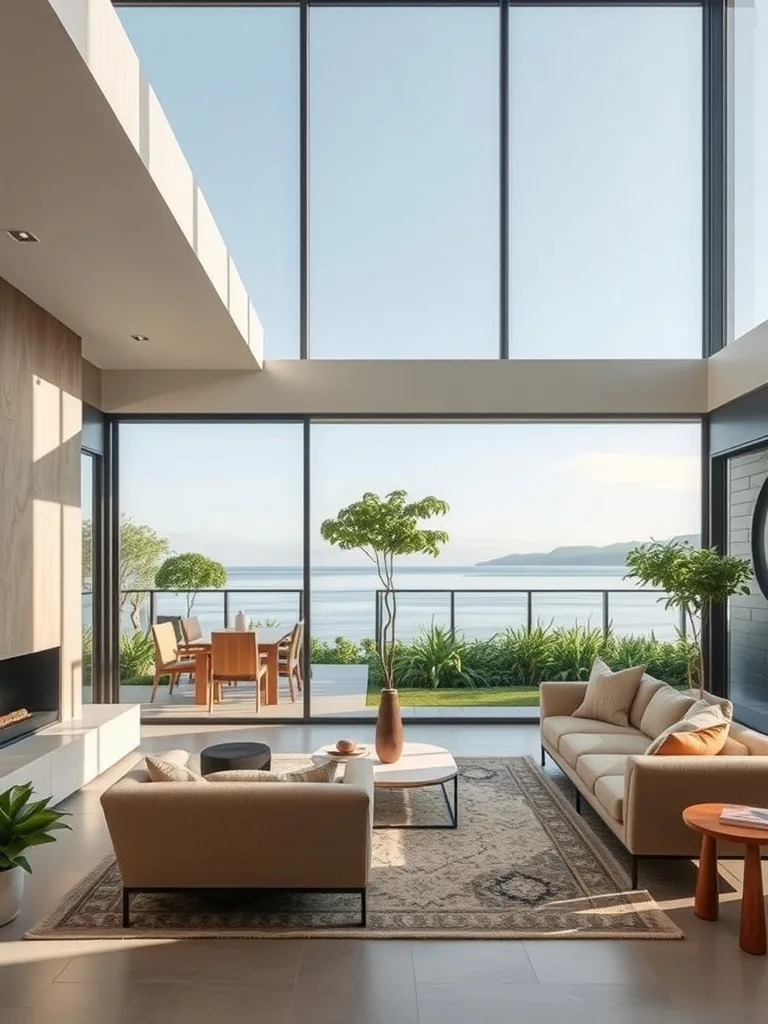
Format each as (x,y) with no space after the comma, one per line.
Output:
(698,744)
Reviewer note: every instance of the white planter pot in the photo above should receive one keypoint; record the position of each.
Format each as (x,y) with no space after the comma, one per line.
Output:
(11,892)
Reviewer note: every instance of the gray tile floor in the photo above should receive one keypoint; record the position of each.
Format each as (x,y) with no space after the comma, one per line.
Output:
(704,979)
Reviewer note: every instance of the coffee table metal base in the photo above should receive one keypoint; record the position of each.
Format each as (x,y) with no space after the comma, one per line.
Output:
(453,807)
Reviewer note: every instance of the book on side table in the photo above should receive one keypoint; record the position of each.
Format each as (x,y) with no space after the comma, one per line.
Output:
(747,817)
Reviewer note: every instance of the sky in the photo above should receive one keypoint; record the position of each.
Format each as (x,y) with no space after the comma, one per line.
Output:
(512,487)
(605,172)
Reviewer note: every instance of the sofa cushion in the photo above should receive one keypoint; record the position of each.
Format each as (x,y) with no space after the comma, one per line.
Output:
(592,767)
(755,742)
(610,694)
(160,770)
(609,790)
(701,733)
(666,707)
(576,745)
(312,773)
(733,747)
(553,729)
(645,691)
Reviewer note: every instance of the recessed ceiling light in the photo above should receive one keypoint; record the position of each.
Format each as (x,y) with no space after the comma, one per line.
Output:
(140,337)
(18,235)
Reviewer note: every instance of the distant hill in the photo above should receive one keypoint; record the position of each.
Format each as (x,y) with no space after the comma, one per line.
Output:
(611,554)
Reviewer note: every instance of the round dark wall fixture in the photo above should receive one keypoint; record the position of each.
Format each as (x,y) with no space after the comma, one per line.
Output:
(760,539)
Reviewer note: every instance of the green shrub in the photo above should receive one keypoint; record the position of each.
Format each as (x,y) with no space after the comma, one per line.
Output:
(341,652)
(436,659)
(575,648)
(517,657)
(87,656)
(137,656)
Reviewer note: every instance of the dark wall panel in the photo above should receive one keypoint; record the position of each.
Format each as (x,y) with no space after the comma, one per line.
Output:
(747,616)
(743,422)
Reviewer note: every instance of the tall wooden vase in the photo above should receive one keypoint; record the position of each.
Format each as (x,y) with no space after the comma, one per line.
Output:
(389,728)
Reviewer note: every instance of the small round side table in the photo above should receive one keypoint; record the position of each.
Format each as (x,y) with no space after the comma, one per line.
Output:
(226,757)
(705,818)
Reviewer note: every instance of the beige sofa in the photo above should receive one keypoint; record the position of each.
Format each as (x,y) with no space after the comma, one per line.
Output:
(299,836)
(641,798)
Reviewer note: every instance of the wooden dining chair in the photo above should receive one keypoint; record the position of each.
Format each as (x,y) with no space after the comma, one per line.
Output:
(235,659)
(167,660)
(289,659)
(191,634)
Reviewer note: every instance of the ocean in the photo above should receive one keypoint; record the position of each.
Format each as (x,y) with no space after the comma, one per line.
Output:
(343,602)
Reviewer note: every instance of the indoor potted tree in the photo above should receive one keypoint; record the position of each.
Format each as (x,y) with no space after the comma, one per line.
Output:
(384,528)
(23,823)
(694,580)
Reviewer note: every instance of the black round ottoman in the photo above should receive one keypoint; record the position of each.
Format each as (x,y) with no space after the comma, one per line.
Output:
(227,757)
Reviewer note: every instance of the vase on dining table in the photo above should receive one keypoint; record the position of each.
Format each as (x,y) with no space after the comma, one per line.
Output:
(241,622)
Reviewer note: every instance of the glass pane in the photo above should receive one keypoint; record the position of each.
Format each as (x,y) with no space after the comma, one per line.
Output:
(539,511)
(605,182)
(228,81)
(231,492)
(87,507)
(637,614)
(404,206)
(748,165)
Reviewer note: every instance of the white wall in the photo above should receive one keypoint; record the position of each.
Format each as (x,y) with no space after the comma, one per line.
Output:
(534,388)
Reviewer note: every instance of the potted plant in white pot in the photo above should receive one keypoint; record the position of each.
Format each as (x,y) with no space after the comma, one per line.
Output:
(383,528)
(23,823)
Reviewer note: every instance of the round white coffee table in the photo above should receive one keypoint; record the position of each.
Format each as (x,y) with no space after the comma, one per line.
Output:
(420,765)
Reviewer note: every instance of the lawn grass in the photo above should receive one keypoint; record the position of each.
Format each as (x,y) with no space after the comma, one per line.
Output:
(490,697)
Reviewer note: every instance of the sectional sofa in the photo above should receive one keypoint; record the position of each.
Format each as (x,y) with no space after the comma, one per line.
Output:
(641,798)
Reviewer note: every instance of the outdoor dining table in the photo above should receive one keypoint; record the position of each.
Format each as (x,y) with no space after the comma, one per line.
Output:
(269,640)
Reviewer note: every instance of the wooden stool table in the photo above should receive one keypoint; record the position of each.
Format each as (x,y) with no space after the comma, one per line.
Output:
(705,818)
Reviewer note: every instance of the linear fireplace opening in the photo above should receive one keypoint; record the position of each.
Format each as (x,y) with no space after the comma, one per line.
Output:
(29,693)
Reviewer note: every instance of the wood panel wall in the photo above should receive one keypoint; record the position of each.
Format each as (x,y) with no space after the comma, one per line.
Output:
(40,519)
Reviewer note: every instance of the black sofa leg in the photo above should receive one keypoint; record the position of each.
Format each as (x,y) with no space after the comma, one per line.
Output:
(126,908)
(578,802)
(543,756)
(635,865)
(363,909)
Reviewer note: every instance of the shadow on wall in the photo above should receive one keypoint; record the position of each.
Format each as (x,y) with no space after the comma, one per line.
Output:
(40,531)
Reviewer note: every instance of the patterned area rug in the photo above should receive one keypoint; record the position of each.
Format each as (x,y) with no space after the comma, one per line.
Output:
(522,864)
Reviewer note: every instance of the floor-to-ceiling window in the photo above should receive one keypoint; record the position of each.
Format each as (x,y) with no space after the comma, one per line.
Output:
(404,182)
(530,583)
(89,505)
(747,166)
(227,78)
(605,181)
(230,494)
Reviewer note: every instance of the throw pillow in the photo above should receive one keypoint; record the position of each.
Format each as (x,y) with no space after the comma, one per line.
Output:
(319,773)
(166,771)
(610,694)
(703,731)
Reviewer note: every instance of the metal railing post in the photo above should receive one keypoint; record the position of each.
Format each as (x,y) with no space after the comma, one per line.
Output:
(453,613)
(377,619)
(226,609)
(152,608)
(606,613)
(529,610)
(301,604)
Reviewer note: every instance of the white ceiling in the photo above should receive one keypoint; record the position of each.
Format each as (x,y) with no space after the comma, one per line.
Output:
(112,260)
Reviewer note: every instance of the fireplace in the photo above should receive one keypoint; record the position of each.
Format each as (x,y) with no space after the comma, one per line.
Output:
(29,682)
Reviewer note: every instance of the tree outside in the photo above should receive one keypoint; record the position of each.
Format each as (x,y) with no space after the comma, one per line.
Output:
(190,572)
(142,550)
